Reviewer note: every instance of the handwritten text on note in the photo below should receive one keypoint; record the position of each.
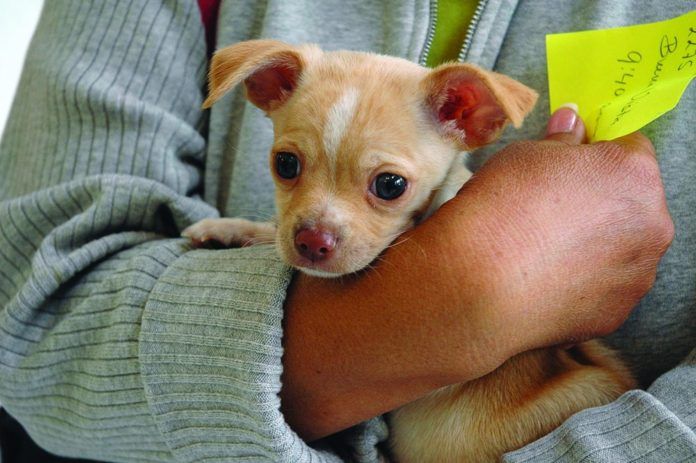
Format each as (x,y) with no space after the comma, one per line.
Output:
(623,78)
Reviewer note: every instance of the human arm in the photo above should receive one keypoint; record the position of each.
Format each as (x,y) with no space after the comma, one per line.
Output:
(149,348)
(518,260)
(119,342)
(654,425)
(103,151)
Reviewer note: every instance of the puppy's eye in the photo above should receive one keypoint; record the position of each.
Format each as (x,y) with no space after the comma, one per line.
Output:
(287,165)
(388,186)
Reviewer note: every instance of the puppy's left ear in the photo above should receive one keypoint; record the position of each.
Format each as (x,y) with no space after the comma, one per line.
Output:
(472,105)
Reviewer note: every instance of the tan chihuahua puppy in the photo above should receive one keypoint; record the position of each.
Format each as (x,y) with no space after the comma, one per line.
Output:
(366,146)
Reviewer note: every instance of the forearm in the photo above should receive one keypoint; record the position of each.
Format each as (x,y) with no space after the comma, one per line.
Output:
(488,276)
(363,345)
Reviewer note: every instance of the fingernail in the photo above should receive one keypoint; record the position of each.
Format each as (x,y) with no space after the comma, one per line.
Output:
(563,120)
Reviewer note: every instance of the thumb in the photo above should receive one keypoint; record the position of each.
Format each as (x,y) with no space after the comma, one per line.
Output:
(566,126)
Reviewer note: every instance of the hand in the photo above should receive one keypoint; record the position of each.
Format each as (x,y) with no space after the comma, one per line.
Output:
(550,242)
(576,232)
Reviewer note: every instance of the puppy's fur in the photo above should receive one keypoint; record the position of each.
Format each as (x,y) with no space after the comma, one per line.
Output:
(349,117)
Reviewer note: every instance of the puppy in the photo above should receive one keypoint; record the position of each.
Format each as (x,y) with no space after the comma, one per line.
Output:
(365,146)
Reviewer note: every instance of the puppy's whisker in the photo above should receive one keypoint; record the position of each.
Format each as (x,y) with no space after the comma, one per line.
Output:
(396,243)
(254,242)
(257,216)
(382,262)
(255,212)
(373,269)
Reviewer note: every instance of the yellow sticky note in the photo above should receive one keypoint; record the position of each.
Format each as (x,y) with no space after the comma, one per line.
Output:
(623,78)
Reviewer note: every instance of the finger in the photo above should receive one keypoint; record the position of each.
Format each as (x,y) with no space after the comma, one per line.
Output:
(638,142)
(566,126)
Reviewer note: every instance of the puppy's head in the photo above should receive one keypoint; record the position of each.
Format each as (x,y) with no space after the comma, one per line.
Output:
(361,141)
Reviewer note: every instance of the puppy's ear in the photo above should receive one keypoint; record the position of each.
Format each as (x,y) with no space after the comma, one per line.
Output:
(269,69)
(472,105)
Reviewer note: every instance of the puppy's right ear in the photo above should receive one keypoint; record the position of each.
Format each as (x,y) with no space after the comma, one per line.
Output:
(269,69)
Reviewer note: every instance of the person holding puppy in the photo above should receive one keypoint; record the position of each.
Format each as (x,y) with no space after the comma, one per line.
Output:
(117,333)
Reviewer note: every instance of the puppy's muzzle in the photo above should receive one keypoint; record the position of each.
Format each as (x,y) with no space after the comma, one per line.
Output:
(315,244)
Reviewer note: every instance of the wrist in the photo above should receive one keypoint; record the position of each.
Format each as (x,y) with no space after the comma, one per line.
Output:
(527,267)
(485,265)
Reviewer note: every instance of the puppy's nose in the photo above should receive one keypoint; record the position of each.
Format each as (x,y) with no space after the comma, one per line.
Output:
(315,244)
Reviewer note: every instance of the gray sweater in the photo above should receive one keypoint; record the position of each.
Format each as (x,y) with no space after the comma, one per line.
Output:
(120,343)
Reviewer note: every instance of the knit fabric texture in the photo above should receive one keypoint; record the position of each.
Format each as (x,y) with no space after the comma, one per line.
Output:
(118,342)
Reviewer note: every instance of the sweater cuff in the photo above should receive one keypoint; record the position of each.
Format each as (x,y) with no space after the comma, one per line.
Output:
(636,427)
(210,353)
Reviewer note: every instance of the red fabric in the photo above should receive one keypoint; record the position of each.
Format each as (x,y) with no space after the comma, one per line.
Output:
(209,14)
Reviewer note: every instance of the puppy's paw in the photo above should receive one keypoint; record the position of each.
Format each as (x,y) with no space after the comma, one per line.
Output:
(228,232)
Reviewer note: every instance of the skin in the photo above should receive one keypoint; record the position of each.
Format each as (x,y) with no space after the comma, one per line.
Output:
(551,242)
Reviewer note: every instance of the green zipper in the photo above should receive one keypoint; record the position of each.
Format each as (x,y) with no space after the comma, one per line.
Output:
(431,33)
(473,23)
(470,31)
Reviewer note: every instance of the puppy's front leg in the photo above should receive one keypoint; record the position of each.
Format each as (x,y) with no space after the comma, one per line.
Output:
(230,232)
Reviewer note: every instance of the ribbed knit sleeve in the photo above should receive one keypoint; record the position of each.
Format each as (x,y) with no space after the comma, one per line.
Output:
(117,341)
(211,358)
(108,87)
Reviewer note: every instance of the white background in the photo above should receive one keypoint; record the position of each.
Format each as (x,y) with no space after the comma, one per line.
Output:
(17,23)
